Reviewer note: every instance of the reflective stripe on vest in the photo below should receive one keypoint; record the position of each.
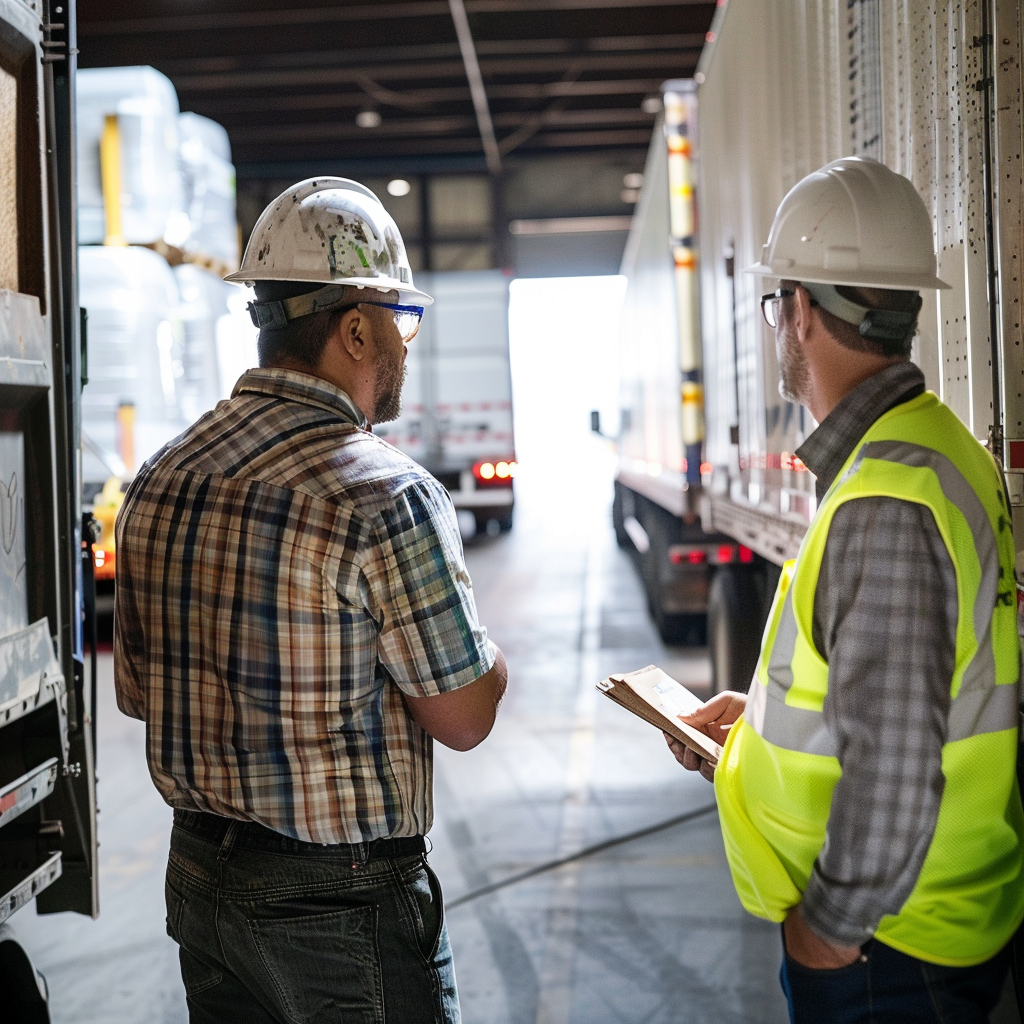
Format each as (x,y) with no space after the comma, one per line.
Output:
(979,706)
(780,765)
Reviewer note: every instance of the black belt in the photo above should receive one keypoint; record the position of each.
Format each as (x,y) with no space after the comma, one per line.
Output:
(251,835)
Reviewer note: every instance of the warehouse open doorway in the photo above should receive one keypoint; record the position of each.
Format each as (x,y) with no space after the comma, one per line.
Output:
(563,337)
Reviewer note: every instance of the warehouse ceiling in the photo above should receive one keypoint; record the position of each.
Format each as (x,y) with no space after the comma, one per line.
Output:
(419,87)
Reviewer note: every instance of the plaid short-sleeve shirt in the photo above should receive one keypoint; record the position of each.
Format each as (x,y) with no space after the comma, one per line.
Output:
(283,577)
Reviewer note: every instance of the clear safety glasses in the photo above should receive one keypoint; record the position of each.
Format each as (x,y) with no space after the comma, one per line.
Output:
(770,305)
(407,318)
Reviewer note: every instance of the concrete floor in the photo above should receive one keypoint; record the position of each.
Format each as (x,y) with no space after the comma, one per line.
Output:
(647,931)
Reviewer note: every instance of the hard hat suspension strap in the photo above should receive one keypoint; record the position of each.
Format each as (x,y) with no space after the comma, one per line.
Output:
(889,327)
(275,314)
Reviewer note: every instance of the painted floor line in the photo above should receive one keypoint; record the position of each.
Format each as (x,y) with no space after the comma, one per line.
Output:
(588,851)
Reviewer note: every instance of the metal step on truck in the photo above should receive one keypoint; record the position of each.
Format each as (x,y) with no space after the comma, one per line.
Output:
(710,496)
(47,730)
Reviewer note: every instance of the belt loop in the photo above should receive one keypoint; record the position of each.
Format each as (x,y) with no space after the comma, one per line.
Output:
(228,842)
(360,855)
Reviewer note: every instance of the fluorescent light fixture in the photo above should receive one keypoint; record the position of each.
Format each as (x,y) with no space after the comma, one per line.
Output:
(368,119)
(569,225)
(399,187)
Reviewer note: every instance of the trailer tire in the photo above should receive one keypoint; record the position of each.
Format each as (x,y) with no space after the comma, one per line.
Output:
(735,621)
(24,989)
(683,629)
(491,522)
(619,519)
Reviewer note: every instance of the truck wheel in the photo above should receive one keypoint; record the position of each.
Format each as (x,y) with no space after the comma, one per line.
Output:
(735,623)
(681,629)
(490,523)
(676,628)
(619,520)
(23,987)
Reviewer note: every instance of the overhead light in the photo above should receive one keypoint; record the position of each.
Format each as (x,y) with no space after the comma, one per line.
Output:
(651,105)
(399,187)
(629,195)
(569,225)
(633,180)
(368,119)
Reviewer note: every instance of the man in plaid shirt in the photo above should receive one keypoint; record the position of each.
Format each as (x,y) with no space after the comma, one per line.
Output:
(294,623)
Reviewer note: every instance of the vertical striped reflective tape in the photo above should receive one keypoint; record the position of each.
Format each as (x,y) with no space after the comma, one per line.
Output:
(980,706)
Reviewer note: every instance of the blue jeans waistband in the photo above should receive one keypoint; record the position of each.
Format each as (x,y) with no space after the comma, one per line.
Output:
(251,835)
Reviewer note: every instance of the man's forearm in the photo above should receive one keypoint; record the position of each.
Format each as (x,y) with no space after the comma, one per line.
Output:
(885,620)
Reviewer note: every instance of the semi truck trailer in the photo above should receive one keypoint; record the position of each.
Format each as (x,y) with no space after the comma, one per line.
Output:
(710,495)
(457,402)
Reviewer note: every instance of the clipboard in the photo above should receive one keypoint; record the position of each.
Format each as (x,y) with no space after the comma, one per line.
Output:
(657,698)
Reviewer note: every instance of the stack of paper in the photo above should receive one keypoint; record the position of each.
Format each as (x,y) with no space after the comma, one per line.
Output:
(657,698)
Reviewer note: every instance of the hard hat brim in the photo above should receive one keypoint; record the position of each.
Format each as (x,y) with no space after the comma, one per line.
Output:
(378,284)
(850,278)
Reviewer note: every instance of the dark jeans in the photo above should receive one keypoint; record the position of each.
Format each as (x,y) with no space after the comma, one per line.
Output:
(277,931)
(889,987)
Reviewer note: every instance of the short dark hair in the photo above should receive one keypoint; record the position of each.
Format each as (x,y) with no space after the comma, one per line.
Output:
(302,340)
(848,335)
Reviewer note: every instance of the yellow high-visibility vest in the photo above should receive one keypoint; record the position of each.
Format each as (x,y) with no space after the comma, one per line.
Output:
(775,782)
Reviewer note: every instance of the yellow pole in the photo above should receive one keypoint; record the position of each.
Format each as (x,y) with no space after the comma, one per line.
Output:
(126,435)
(110,176)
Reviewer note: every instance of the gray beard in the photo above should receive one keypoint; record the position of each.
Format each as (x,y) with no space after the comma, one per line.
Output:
(794,376)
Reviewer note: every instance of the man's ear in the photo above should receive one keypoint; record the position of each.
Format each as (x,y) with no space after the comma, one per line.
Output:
(803,317)
(353,333)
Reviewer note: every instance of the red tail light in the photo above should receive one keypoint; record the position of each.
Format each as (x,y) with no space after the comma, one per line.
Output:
(495,473)
(746,555)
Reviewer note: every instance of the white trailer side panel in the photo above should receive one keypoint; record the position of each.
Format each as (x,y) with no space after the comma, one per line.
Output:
(650,439)
(787,87)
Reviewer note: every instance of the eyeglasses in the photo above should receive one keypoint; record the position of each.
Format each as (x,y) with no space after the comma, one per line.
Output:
(407,318)
(770,305)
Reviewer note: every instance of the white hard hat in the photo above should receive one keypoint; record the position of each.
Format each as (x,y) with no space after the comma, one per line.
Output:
(329,231)
(854,222)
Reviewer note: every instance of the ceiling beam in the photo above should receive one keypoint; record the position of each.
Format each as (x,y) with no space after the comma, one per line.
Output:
(476,86)
(426,97)
(340,13)
(397,150)
(413,128)
(425,52)
(572,140)
(676,62)
(287,170)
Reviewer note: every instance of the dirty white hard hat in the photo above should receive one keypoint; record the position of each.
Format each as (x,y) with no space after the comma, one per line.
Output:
(330,231)
(853,222)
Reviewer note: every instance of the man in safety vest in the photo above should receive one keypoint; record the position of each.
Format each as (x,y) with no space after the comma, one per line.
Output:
(867,791)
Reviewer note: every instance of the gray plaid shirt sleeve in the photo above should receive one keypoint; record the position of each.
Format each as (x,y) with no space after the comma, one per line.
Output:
(885,620)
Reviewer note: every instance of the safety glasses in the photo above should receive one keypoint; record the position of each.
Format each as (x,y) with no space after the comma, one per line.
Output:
(407,318)
(770,305)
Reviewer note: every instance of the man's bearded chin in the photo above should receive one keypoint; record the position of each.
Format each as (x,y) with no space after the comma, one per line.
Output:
(793,372)
(387,394)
